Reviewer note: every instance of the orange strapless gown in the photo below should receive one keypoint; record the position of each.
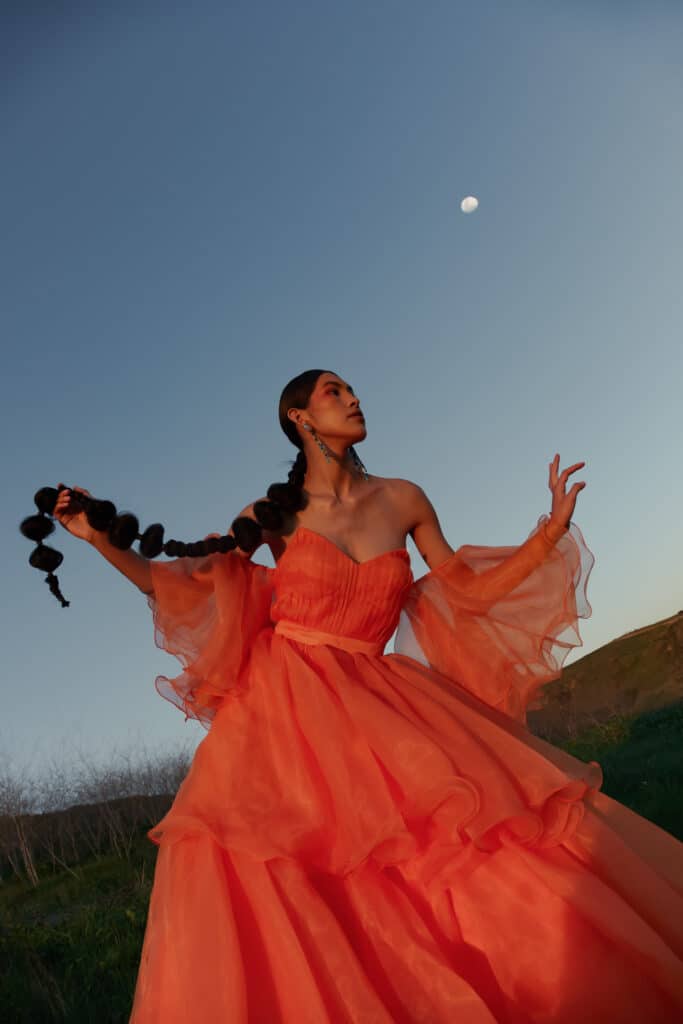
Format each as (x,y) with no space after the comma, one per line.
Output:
(375,838)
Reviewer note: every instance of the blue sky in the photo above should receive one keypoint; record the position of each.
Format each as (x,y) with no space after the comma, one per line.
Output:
(200,203)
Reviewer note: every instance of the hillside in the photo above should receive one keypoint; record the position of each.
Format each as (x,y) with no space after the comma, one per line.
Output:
(637,672)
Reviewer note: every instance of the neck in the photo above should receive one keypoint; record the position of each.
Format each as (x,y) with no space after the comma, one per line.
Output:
(338,478)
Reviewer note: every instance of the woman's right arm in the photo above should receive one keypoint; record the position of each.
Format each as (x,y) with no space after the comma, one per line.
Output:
(72,517)
(134,566)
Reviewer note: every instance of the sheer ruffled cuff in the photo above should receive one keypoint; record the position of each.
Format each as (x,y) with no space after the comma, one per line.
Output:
(207,612)
(500,621)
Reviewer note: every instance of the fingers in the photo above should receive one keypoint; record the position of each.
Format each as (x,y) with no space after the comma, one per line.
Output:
(62,500)
(65,499)
(572,469)
(569,469)
(565,472)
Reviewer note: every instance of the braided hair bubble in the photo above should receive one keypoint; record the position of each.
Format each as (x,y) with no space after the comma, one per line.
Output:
(283,499)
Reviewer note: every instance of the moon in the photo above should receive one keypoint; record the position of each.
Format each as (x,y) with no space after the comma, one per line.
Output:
(469,204)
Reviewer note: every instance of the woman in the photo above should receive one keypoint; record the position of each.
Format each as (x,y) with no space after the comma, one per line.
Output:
(370,837)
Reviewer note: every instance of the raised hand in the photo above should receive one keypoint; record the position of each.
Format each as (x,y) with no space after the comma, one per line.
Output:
(563,504)
(70,514)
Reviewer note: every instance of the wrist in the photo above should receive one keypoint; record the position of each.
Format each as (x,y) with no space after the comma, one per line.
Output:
(554,529)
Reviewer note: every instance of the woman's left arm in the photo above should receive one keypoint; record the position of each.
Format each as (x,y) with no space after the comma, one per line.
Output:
(499,621)
(493,583)
(424,526)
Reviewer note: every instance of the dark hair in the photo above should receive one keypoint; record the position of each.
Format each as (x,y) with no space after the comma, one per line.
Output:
(270,513)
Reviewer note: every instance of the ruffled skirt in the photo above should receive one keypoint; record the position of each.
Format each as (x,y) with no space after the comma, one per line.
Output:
(360,840)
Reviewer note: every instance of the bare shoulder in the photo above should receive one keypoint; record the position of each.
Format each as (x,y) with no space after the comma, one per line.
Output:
(420,519)
(410,499)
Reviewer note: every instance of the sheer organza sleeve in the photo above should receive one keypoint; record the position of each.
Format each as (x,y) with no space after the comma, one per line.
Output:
(500,621)
(207,612)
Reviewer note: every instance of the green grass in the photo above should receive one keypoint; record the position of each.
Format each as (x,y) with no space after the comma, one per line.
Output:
(640,756)
(69,949)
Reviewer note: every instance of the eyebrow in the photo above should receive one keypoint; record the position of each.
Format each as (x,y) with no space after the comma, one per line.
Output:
(337,384)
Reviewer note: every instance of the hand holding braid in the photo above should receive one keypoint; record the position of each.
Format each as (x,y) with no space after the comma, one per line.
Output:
(81,514)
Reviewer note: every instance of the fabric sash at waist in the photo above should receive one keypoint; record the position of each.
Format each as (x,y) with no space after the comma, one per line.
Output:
(308,635)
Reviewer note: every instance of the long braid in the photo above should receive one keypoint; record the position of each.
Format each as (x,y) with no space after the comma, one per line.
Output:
(122,529)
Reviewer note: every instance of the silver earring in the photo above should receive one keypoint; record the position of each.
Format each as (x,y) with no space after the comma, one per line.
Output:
(359,465)
(327,452)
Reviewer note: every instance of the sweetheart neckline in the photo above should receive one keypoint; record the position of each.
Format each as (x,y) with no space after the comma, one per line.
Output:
(367,561)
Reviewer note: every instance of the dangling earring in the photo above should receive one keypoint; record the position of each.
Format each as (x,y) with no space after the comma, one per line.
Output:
(359,465)
(327,452)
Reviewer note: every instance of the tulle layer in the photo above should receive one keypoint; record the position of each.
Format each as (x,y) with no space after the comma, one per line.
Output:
(562,935)
(207,611)
(500,621)
(336,758)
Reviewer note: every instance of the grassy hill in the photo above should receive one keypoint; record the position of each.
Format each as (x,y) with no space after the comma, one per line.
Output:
(637,672)
(69,948)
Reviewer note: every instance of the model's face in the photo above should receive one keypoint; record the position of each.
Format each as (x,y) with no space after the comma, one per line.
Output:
(333,410)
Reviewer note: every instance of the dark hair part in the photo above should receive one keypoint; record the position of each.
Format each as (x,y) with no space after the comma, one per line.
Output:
(283,499)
